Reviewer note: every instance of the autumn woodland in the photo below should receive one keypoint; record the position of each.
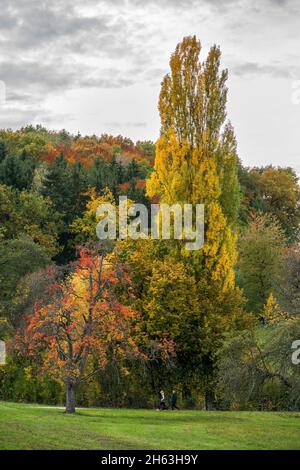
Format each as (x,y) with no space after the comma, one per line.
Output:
(95,323)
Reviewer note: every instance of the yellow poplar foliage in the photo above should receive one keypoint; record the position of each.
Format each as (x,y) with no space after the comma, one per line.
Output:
(196,155)
(272,312)
(85,226)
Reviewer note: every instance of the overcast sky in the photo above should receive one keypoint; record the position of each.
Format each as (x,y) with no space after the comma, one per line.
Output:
(96,66)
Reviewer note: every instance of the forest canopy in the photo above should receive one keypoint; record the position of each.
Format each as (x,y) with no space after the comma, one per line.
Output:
(116,323)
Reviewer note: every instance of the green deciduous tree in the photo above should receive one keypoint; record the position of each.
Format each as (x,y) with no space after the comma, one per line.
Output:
(275,191)
(31,214)
(196,162)
(261,260)
(256,369)
(18,257)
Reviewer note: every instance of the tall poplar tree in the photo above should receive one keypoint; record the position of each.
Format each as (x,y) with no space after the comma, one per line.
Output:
(196,158)
(196,162)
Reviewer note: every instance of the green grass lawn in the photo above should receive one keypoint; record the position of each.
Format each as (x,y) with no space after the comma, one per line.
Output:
(33,427)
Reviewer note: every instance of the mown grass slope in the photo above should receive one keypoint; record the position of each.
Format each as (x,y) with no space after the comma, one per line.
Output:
(34,427)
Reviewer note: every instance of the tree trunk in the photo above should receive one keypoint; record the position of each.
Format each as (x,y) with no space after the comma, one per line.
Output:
(186,392)
(209,401)
(70,398)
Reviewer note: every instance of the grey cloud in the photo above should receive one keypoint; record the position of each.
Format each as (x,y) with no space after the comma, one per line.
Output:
(49,47)
(50,42)
(114,125)
(15,117)
(31,81)
(113,82)
(253,68)
(280,2)
(37,24)
(30,74)
(155,73)
(13,96)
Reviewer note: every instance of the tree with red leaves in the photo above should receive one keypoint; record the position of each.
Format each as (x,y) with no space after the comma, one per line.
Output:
(86,324)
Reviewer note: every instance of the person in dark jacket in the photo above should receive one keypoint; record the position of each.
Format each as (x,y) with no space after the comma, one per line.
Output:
(174,400)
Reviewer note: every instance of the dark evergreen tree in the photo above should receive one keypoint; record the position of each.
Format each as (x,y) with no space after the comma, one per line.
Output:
(132,170)
(78,186)
(3,150)
(97,177)
(115,177)
(17,171)
(57,187)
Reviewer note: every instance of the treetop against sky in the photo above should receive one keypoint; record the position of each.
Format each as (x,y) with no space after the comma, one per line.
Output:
(97,66)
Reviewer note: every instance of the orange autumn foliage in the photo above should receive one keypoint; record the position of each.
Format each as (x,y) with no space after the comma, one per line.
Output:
(84,320)
(86,149)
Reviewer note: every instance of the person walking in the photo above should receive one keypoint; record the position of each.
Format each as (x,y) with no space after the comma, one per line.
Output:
(174,401)
(162,404)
